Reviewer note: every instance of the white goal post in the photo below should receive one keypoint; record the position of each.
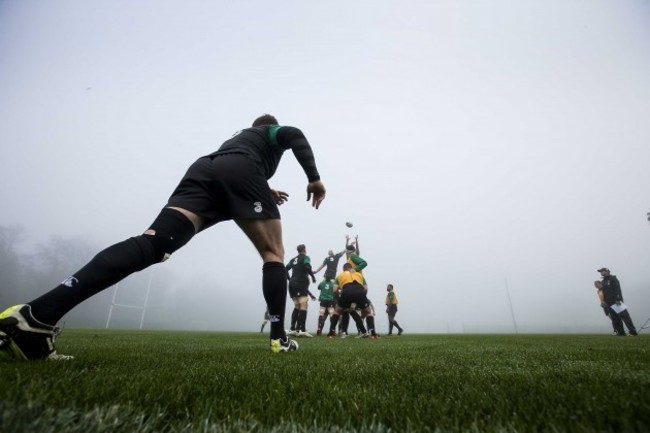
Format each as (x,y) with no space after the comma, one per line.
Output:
(142,307)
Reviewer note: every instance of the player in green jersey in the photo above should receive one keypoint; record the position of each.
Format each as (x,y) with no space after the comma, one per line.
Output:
(326,298)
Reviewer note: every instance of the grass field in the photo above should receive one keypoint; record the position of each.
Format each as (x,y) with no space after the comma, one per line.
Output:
(155,381)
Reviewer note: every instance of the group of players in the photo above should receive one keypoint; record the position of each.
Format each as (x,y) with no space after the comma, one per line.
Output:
(341,297)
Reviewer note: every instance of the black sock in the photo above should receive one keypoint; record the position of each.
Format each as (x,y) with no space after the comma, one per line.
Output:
(300,320)
(358,321)
(274,287)
(105,269)
(390,327)
(397,325)
(345,322)
(371,325)
(333,321)
(294,319)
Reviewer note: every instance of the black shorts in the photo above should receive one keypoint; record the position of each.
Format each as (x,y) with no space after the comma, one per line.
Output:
(391,309)
(225,187)
(353,293)
(326,304)
(298,288)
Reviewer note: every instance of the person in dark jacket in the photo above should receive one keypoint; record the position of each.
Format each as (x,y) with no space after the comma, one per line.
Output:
(614,300)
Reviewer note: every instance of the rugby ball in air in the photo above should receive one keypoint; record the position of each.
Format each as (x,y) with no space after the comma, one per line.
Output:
(348,224)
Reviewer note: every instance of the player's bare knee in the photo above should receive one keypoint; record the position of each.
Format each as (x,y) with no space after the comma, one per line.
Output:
(169,232)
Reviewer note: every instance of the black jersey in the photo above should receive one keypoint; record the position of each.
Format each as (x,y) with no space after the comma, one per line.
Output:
(300,267)
(232,183)
(331,263)
(266,144)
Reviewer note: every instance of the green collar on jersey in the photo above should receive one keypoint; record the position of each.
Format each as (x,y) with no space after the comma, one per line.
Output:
(273,133)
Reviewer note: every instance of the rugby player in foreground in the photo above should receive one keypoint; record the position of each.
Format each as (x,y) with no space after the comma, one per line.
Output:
(229,184)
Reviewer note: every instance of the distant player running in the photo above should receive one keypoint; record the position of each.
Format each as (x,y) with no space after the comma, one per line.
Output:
(267,317)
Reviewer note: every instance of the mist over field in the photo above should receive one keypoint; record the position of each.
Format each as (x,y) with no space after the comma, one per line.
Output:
(175,300)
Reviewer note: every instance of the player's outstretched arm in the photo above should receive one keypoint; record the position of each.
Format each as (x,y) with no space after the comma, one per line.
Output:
(347,243)
(292,138)
(359,263)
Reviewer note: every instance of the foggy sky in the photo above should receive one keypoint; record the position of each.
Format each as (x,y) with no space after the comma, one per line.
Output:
(480,148)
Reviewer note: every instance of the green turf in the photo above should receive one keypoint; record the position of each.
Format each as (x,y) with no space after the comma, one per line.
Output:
(127,381)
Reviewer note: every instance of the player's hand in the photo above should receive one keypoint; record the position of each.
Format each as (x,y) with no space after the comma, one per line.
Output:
(315,193)
(279,196)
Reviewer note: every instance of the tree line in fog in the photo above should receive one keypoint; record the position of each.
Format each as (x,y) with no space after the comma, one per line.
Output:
(28,269)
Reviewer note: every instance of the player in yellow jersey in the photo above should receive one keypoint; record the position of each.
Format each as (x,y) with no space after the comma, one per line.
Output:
(391,310)
(358,264)
(352,288)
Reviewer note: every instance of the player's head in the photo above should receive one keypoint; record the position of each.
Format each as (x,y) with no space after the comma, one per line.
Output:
(389,288)
(603,271)
(301,248)
(330,253)
(265,119)
(347,267)
(350,249)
